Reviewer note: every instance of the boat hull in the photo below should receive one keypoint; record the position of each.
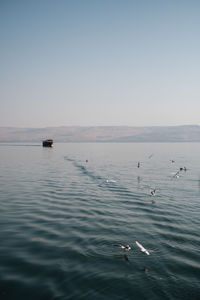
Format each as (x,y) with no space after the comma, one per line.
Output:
(47,143)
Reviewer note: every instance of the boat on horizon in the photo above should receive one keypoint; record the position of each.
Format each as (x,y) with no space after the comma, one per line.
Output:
(47,143)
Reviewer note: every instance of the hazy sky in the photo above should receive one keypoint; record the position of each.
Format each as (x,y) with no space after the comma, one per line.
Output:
(99,62)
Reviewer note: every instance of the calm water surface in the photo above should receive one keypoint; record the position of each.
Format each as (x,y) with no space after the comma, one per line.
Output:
(61,215)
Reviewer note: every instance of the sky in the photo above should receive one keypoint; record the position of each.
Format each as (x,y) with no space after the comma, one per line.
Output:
(99,63)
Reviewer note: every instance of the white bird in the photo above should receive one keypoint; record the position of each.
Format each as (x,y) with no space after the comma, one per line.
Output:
(142,248)
(110,180)
(125,248)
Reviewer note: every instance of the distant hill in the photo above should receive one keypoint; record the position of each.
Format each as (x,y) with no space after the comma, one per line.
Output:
(185,133)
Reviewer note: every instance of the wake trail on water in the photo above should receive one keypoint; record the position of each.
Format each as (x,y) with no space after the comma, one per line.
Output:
(135,205)
(104,183)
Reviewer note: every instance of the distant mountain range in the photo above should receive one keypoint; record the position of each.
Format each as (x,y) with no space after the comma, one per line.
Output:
(185,133)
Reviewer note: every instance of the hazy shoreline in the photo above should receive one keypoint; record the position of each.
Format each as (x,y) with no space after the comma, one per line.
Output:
(105,134)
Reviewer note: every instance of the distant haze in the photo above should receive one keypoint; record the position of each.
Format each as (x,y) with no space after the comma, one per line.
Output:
(102,134)
(99,63)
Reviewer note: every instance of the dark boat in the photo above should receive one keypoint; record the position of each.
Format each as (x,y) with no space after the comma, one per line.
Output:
(47,143)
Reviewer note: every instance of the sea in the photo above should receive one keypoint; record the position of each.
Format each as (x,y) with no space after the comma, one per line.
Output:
(64,209)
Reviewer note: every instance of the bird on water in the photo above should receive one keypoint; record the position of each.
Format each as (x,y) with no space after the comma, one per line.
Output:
(125,248)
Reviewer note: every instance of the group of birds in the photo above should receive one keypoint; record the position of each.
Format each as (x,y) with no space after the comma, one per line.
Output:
(153,192)
(176,175)
(127,247)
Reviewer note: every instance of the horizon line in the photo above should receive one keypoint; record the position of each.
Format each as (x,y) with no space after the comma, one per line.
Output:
(59,126)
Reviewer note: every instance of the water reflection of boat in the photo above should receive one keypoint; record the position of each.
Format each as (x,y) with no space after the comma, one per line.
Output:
(47,143)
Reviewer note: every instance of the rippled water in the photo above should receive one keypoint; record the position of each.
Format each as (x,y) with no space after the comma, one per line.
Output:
(61,215)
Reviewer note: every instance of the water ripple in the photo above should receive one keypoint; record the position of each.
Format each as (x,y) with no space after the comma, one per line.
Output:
(60,219)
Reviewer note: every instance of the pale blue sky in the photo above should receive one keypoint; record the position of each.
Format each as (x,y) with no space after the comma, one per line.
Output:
(105,62)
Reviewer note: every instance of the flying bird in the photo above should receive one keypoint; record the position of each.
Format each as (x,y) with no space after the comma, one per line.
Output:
(176,175)
(142,248)
(110,180)
(125,248)
(153,192)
